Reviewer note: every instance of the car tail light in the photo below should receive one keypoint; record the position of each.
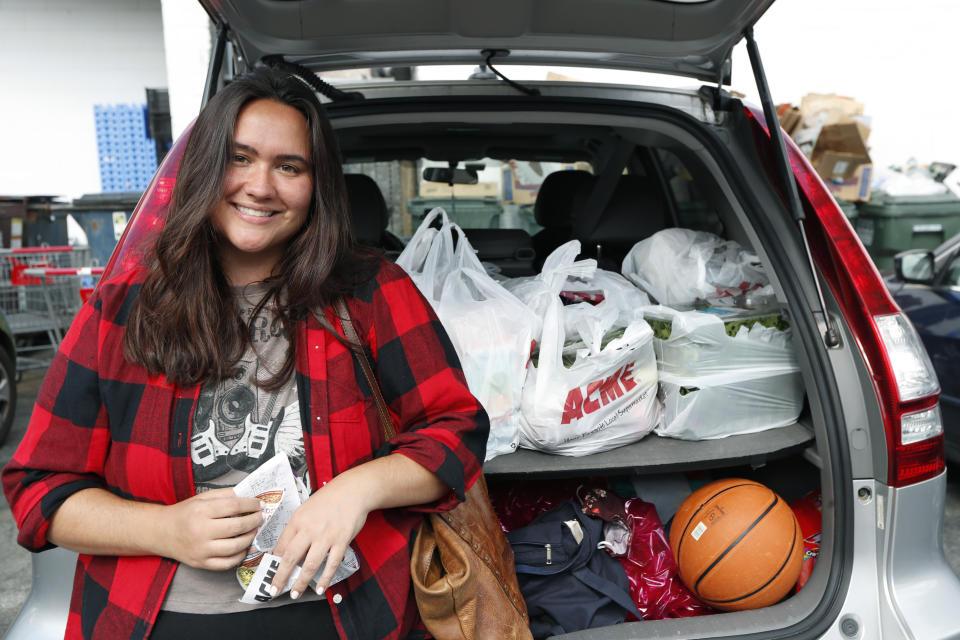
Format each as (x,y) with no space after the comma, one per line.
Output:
(912,368)
(903,377)
(148,216)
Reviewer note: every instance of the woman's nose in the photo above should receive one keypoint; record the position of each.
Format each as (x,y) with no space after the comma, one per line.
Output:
(259,182)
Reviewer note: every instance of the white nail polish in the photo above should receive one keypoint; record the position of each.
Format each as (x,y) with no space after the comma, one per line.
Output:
(272,590)
(294,595)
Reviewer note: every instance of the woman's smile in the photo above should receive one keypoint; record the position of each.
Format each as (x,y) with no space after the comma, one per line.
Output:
(256,213)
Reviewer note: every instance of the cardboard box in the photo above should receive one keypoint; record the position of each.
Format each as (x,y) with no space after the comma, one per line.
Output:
(829,108)
(789,116)
(515,190)
(840,156)
(441,190)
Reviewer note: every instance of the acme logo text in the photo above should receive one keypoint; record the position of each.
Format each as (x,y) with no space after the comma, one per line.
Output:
(599,393)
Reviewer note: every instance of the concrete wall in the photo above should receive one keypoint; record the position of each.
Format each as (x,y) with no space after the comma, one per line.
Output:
(187,39)
(59,58)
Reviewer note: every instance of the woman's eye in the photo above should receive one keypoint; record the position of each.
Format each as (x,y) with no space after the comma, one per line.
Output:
(240,158)
(290,168)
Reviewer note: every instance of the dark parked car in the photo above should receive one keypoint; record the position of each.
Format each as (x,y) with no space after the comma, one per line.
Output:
(8,378)
(634,160)
(926,285)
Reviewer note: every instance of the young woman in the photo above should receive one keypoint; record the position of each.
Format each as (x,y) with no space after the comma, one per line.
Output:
(184,374)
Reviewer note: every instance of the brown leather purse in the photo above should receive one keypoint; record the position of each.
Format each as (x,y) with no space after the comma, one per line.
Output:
(462,565)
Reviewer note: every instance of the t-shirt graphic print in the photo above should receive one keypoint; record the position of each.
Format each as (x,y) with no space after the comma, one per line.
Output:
(238,427)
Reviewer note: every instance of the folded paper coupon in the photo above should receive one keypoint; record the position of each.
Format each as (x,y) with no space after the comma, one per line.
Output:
(280,494)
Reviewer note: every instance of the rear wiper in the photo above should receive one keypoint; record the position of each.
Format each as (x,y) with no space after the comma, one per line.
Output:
(489,54)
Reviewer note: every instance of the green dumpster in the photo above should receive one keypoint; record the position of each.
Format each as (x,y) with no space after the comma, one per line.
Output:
(849,209)
(889,224)
(469,213)
(103,217)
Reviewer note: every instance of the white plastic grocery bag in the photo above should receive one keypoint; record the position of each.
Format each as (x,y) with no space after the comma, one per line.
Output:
(726,404)
(429,255)
(678,266)
(605,398)
(540,291)
(492,332)
(603,294)
(698,344)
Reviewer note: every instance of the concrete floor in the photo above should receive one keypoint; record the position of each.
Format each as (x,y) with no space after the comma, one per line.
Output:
(15,570)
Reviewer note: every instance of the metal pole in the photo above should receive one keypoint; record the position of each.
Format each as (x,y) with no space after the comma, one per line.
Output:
(786,174)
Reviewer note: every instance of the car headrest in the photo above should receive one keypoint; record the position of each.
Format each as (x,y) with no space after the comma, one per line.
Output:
(368,209)
(636,210)
(555,199)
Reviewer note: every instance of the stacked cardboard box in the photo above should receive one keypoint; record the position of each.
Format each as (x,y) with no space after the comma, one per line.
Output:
(832,131)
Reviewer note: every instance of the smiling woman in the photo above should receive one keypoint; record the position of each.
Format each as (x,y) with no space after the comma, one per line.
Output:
(169,390)
(267,190)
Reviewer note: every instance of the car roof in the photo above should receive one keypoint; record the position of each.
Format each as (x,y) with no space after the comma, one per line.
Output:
(679,37)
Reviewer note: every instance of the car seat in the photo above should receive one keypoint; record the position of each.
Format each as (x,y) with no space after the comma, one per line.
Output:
(368,213)
(636,210)
(554,207)
(510,250)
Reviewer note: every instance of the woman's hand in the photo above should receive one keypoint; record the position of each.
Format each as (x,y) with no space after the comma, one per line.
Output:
(321,529)
(212,530)
(324,525)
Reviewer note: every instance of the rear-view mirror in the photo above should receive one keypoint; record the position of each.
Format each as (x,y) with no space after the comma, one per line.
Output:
(450,176)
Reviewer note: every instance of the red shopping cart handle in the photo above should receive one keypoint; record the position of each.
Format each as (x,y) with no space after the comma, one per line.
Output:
(28,250)
(63,271)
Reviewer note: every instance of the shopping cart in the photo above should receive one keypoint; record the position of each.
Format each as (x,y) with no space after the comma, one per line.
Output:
(39,306)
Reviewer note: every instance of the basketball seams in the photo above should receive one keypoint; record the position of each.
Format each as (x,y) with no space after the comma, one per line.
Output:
(786,560)
(693,516)
(716,561)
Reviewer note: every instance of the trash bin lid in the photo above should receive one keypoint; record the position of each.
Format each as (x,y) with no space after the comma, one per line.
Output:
(113,200)
(885,205)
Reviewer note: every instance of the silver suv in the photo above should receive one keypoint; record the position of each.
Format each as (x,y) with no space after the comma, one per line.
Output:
(869,436)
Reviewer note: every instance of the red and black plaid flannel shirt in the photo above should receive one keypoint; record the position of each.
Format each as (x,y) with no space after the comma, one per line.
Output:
(100,421)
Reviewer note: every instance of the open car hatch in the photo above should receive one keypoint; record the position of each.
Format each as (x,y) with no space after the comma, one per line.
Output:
(683,38)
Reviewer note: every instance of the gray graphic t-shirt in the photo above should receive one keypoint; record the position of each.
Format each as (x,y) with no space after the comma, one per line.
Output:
(237,427)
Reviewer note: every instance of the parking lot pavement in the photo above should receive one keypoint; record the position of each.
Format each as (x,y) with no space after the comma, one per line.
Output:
(15,570)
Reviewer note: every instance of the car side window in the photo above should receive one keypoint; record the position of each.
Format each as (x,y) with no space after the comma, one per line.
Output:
(693,209)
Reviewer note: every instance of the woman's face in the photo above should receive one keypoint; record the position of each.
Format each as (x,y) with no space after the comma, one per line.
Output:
(267,190)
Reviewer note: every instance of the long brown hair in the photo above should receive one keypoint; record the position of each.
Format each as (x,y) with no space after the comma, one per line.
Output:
(184,323)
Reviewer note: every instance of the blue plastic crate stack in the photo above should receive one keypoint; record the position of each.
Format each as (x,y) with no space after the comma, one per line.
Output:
(127,156)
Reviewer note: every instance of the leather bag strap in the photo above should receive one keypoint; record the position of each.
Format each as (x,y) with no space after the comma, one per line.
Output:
(353,340)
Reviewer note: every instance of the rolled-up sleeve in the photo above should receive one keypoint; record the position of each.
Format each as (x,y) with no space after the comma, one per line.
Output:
(67,438)
(440,424)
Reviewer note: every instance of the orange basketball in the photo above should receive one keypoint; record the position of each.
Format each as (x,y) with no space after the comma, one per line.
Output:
(737,544)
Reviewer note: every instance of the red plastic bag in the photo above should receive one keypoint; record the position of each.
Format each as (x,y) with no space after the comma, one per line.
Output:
(519,504)
(655,584)
(808,510)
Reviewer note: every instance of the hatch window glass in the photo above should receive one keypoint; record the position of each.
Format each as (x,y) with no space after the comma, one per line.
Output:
(486,193)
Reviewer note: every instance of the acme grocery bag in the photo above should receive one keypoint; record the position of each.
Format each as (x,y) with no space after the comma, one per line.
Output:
(589,392)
